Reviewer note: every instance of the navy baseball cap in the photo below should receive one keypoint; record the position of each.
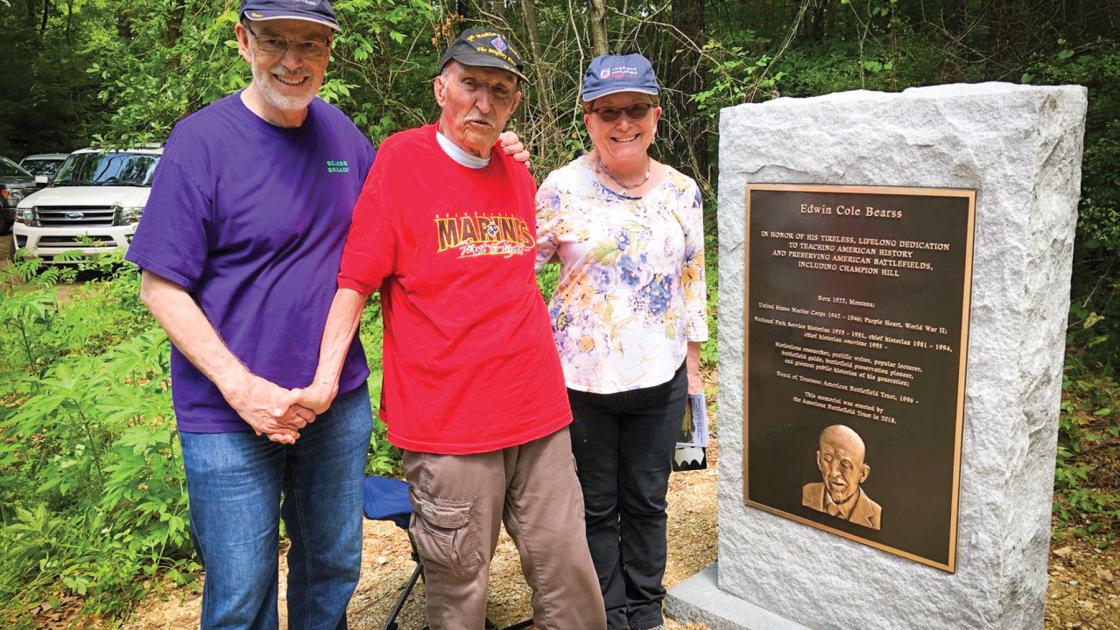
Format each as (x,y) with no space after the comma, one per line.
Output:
(611,74)
(486,47)
(318,11)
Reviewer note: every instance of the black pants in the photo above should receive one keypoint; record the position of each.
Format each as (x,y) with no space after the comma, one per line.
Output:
(623,445)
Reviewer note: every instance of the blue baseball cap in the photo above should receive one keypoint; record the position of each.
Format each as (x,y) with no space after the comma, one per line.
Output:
(318,11)
(610,74)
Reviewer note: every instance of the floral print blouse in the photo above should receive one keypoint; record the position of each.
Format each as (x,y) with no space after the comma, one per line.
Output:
(631,292)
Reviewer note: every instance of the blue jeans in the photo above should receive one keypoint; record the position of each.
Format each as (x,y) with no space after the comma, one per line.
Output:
(235,481)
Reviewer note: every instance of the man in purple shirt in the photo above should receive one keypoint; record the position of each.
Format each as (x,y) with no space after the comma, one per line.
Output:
(239,245)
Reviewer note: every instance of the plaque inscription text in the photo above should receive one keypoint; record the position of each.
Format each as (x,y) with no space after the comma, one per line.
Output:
(856,332)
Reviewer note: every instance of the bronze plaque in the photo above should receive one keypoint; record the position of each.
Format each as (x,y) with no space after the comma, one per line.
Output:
(856,332)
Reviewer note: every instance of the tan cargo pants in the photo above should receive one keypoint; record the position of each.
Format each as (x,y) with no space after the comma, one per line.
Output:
(459,503)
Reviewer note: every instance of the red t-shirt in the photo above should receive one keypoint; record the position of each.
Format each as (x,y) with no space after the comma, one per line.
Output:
(469,362)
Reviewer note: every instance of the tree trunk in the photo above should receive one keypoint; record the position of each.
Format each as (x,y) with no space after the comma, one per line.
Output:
(175,29)
(957,20)
(46,10)
(817,21)
(598,27)
(956,32)
(996,18)
(685,77)
(543,78)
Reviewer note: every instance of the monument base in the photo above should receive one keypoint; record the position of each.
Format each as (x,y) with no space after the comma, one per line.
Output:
(698,599)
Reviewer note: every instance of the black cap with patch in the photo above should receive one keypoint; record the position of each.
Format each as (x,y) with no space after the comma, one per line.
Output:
(485,47)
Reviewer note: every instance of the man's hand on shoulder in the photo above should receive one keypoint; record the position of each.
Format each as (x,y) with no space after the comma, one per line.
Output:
(270,409)
(513,147)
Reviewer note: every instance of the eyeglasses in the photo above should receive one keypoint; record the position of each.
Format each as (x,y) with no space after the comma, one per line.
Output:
(277,46)
(637,111)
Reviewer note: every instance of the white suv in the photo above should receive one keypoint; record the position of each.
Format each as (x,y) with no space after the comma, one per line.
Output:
(92,206)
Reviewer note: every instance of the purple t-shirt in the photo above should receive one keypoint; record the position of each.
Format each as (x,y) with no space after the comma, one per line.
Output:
(251,220)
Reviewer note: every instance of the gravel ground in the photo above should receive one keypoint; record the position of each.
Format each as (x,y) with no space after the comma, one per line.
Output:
(386,566)
(1084,589)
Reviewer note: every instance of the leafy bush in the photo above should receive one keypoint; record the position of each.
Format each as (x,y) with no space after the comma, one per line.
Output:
(92,492)
(174,61)
(1086,498)
(91,485)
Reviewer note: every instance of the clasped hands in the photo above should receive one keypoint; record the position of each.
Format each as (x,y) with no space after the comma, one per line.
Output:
(281,413)
(276,411)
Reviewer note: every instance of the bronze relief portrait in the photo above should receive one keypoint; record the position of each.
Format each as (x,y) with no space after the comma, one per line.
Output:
(841,460)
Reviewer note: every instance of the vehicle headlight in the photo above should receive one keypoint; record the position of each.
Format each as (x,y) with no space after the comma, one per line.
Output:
(26,216)
(129,214)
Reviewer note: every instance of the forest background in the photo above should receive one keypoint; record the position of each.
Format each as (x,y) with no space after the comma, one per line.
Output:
(92,501)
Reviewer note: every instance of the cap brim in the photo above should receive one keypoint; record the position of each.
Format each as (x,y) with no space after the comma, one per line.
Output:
(486,61)
(265,16)
(590,96)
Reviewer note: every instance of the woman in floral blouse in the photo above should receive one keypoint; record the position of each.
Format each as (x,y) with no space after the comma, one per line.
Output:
(628,316)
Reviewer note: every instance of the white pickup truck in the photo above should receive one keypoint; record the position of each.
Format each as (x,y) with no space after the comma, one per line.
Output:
(92,206)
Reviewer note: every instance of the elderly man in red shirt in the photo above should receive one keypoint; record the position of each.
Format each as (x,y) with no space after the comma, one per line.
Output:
(473,388)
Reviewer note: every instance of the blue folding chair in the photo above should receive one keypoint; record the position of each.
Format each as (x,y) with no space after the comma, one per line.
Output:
(386,499)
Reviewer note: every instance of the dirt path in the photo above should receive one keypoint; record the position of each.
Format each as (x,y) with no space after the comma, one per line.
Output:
(1084,588)
(386,567)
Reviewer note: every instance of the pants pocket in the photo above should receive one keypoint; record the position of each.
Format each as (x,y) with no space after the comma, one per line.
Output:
(577,497)
(441,529)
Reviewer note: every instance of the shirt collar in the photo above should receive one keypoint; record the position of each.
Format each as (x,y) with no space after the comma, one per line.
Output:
(455,152)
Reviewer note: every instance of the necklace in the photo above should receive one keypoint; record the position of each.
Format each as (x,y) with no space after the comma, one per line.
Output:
(603,169)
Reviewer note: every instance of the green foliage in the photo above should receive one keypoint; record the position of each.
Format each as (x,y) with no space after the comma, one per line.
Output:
(91,485)
(1086,496)
(92,493)
(175,59)
(43,90)
(180,57)
(384,458)
(547,278)
(735,78)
